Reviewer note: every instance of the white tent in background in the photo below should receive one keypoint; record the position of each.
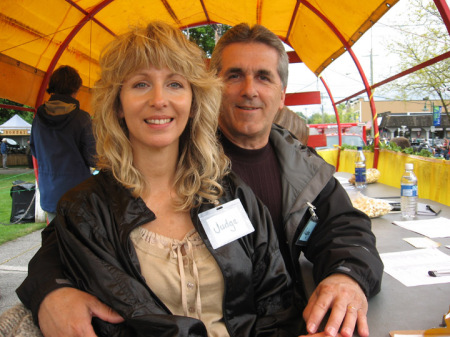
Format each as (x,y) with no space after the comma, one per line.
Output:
(17,128)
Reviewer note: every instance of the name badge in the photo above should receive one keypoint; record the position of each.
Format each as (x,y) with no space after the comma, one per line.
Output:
(226,223)
(309,228)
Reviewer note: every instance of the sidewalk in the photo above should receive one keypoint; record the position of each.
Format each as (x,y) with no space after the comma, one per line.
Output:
(14,258)
(16,170)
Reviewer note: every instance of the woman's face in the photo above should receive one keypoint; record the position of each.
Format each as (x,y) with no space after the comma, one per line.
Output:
(156,105)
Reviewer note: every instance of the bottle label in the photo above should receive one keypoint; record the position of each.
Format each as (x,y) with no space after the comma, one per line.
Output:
(360,174)
(409,191)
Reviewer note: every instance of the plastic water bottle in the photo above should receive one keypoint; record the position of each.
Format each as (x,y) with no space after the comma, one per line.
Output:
(409,193)
(360,169)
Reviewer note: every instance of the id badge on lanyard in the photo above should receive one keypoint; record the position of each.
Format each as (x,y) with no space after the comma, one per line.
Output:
(309,228)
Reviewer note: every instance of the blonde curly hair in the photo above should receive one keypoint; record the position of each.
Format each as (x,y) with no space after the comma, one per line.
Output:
(202,163)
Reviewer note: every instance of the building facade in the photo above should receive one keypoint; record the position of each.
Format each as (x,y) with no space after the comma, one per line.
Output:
(413,119)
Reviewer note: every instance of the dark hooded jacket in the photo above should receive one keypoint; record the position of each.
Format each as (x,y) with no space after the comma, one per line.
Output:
(93,232)
(342,241)
(64,147)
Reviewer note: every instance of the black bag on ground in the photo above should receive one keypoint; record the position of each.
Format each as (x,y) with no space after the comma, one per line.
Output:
(23,202)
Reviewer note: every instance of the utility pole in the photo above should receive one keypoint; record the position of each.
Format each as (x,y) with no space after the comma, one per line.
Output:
(321,104)
(371,58)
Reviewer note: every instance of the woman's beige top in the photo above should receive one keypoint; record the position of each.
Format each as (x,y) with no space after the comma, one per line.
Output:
(184,275)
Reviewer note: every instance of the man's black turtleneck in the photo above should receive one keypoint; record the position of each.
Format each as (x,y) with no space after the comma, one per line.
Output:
(260,170)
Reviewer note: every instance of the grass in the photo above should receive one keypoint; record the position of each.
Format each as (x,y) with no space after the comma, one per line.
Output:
(9,231)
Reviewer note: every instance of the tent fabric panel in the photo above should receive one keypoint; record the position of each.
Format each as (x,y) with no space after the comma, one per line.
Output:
(120,15)
(33,31)
(34,37)
(371,19)
(303,98)
(232,12)
(351,19)
(277,15)
(19,82)
(84,55)
(309,30)
(189,12)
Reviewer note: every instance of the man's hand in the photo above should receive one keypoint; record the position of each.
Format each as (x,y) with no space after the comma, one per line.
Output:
(68,312)
(348,305)
(319,334)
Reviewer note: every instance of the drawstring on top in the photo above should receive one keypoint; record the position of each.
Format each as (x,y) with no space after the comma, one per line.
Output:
(176,252)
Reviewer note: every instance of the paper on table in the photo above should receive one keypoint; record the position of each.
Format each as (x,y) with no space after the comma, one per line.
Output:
(423,209)
(433,228)
(342,180)
(411,267)
(421,242)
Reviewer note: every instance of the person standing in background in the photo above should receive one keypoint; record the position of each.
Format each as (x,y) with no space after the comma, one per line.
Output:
(4,150)
(29,155)
(61,139)
(289,120)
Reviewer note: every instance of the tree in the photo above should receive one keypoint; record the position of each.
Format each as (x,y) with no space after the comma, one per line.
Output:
(319,118)
(426,39)
(206,36)
(347,113)
(302,115)
(6,114)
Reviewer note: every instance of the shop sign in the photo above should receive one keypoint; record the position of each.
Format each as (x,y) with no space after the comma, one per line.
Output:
(437,115)
(23,132)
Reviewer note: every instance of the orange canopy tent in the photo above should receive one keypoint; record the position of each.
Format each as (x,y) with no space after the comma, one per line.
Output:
(38,36)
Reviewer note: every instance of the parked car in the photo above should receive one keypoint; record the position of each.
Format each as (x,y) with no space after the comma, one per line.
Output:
(418,146)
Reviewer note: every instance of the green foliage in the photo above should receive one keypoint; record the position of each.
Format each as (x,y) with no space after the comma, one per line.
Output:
(206,36)
(354,147)
(10,232)
(392,147)
(302,115)
(424,40)
(6,114)
(318,118)
(347,113)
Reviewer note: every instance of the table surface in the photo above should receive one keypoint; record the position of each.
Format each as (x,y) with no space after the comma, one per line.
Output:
(397,307)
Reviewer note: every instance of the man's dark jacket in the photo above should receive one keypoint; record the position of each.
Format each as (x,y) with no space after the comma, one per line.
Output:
(342,241)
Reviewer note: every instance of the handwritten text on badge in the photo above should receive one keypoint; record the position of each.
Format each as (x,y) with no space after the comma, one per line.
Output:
(226,223)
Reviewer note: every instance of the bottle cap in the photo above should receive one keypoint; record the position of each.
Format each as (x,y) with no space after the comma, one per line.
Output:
(359,148)
(409,166)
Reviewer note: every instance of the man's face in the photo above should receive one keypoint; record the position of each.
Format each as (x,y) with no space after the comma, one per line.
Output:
(252,95)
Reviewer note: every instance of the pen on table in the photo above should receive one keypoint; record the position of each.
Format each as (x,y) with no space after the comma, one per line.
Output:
(436,273)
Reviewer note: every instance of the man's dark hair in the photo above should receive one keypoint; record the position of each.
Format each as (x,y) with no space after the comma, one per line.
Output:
(64,81)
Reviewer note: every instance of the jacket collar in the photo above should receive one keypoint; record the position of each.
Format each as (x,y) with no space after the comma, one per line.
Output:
(303,172)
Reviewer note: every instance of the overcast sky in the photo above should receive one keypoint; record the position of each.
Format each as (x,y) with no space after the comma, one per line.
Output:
(342,76)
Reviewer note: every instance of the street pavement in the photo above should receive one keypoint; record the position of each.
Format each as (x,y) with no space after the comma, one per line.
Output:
(16,170)
(14,258)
